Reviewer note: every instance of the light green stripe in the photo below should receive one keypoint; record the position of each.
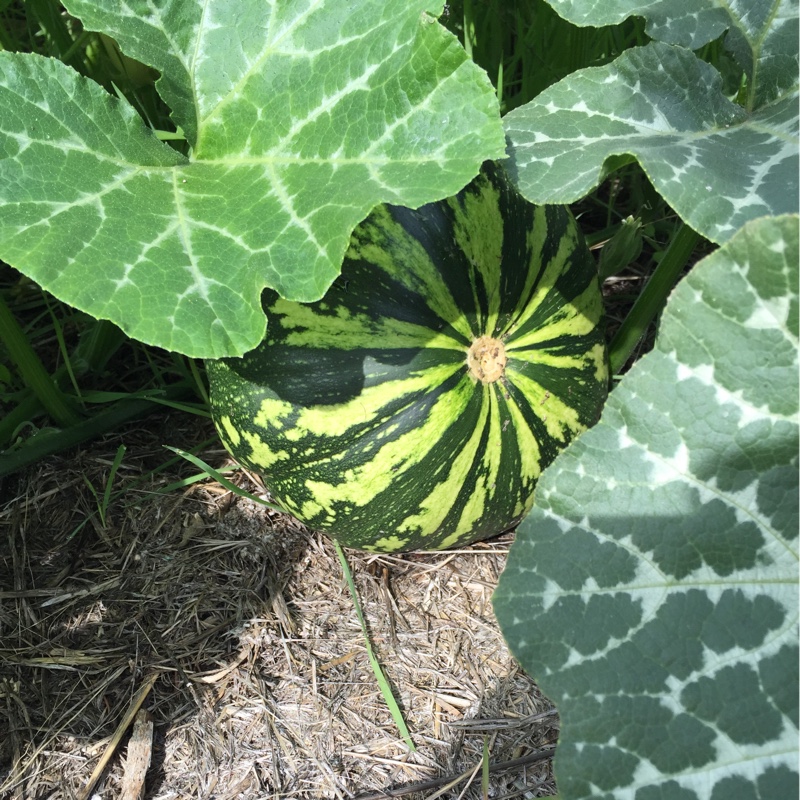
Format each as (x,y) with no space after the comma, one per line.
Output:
(228,430)
(536,238)
(362,484)
(483,248)
(336,420)
(579,318)
(407,260)
(485,486)
(556,360)
(530,458)
(553,270)
(435,507)
(348,331)
(594,359)
(530,454)
(494,453)
(369,405)
(559,418)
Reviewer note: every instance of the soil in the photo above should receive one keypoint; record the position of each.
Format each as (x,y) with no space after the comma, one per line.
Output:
(229,627)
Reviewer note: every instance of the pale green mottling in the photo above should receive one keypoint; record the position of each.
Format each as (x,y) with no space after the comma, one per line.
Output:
(337,420)
(435,507)
(388,544)
(347,331)
(229,430)
(310,509)
(559,418)
(579,318)
(362,484)
(293,508)
(599,356)
(483,251)
(261,455)
(272,413)
(388,432)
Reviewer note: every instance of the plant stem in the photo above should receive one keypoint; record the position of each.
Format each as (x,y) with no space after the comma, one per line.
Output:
(469,27)
(653,297)
(32,370)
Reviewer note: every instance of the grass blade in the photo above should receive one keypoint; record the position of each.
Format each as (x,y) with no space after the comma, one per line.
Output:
(485,769)
(222,480)
(32,370)
(47,442)
(383,684)
(110,482)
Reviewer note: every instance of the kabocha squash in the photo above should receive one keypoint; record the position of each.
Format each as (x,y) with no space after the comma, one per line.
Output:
(415,405)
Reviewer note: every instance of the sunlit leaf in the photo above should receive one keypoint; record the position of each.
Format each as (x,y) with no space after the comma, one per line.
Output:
(301,118)
(719,164)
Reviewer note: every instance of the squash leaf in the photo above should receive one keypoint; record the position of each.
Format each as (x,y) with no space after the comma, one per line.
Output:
(652,592)
(717,162)
(760,32)
(300,116)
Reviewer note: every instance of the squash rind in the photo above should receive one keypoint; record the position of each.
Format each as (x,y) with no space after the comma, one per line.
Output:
(361,411)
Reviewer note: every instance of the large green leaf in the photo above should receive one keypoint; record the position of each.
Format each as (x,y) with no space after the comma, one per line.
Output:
(301,117)
(691,23)
(653,590)
(762,32)
(718,164)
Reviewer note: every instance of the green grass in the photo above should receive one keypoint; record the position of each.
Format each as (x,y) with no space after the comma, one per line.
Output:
(66,378)
(524,46)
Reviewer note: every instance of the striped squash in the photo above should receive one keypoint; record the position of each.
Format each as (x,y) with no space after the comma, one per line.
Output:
(415,405)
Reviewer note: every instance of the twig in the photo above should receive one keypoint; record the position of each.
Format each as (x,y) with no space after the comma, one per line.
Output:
(140,751)
(500,724)
(134,707)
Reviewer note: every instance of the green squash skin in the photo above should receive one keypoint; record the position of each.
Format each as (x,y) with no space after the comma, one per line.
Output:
(360,410)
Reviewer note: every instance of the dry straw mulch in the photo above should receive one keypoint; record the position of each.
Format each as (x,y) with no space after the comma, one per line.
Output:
(232,628)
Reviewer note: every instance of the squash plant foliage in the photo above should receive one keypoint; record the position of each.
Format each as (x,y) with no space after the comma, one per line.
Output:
(299,118)
(719,161)
(652,591)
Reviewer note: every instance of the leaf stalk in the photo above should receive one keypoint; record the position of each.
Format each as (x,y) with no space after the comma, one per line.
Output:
(653,297)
